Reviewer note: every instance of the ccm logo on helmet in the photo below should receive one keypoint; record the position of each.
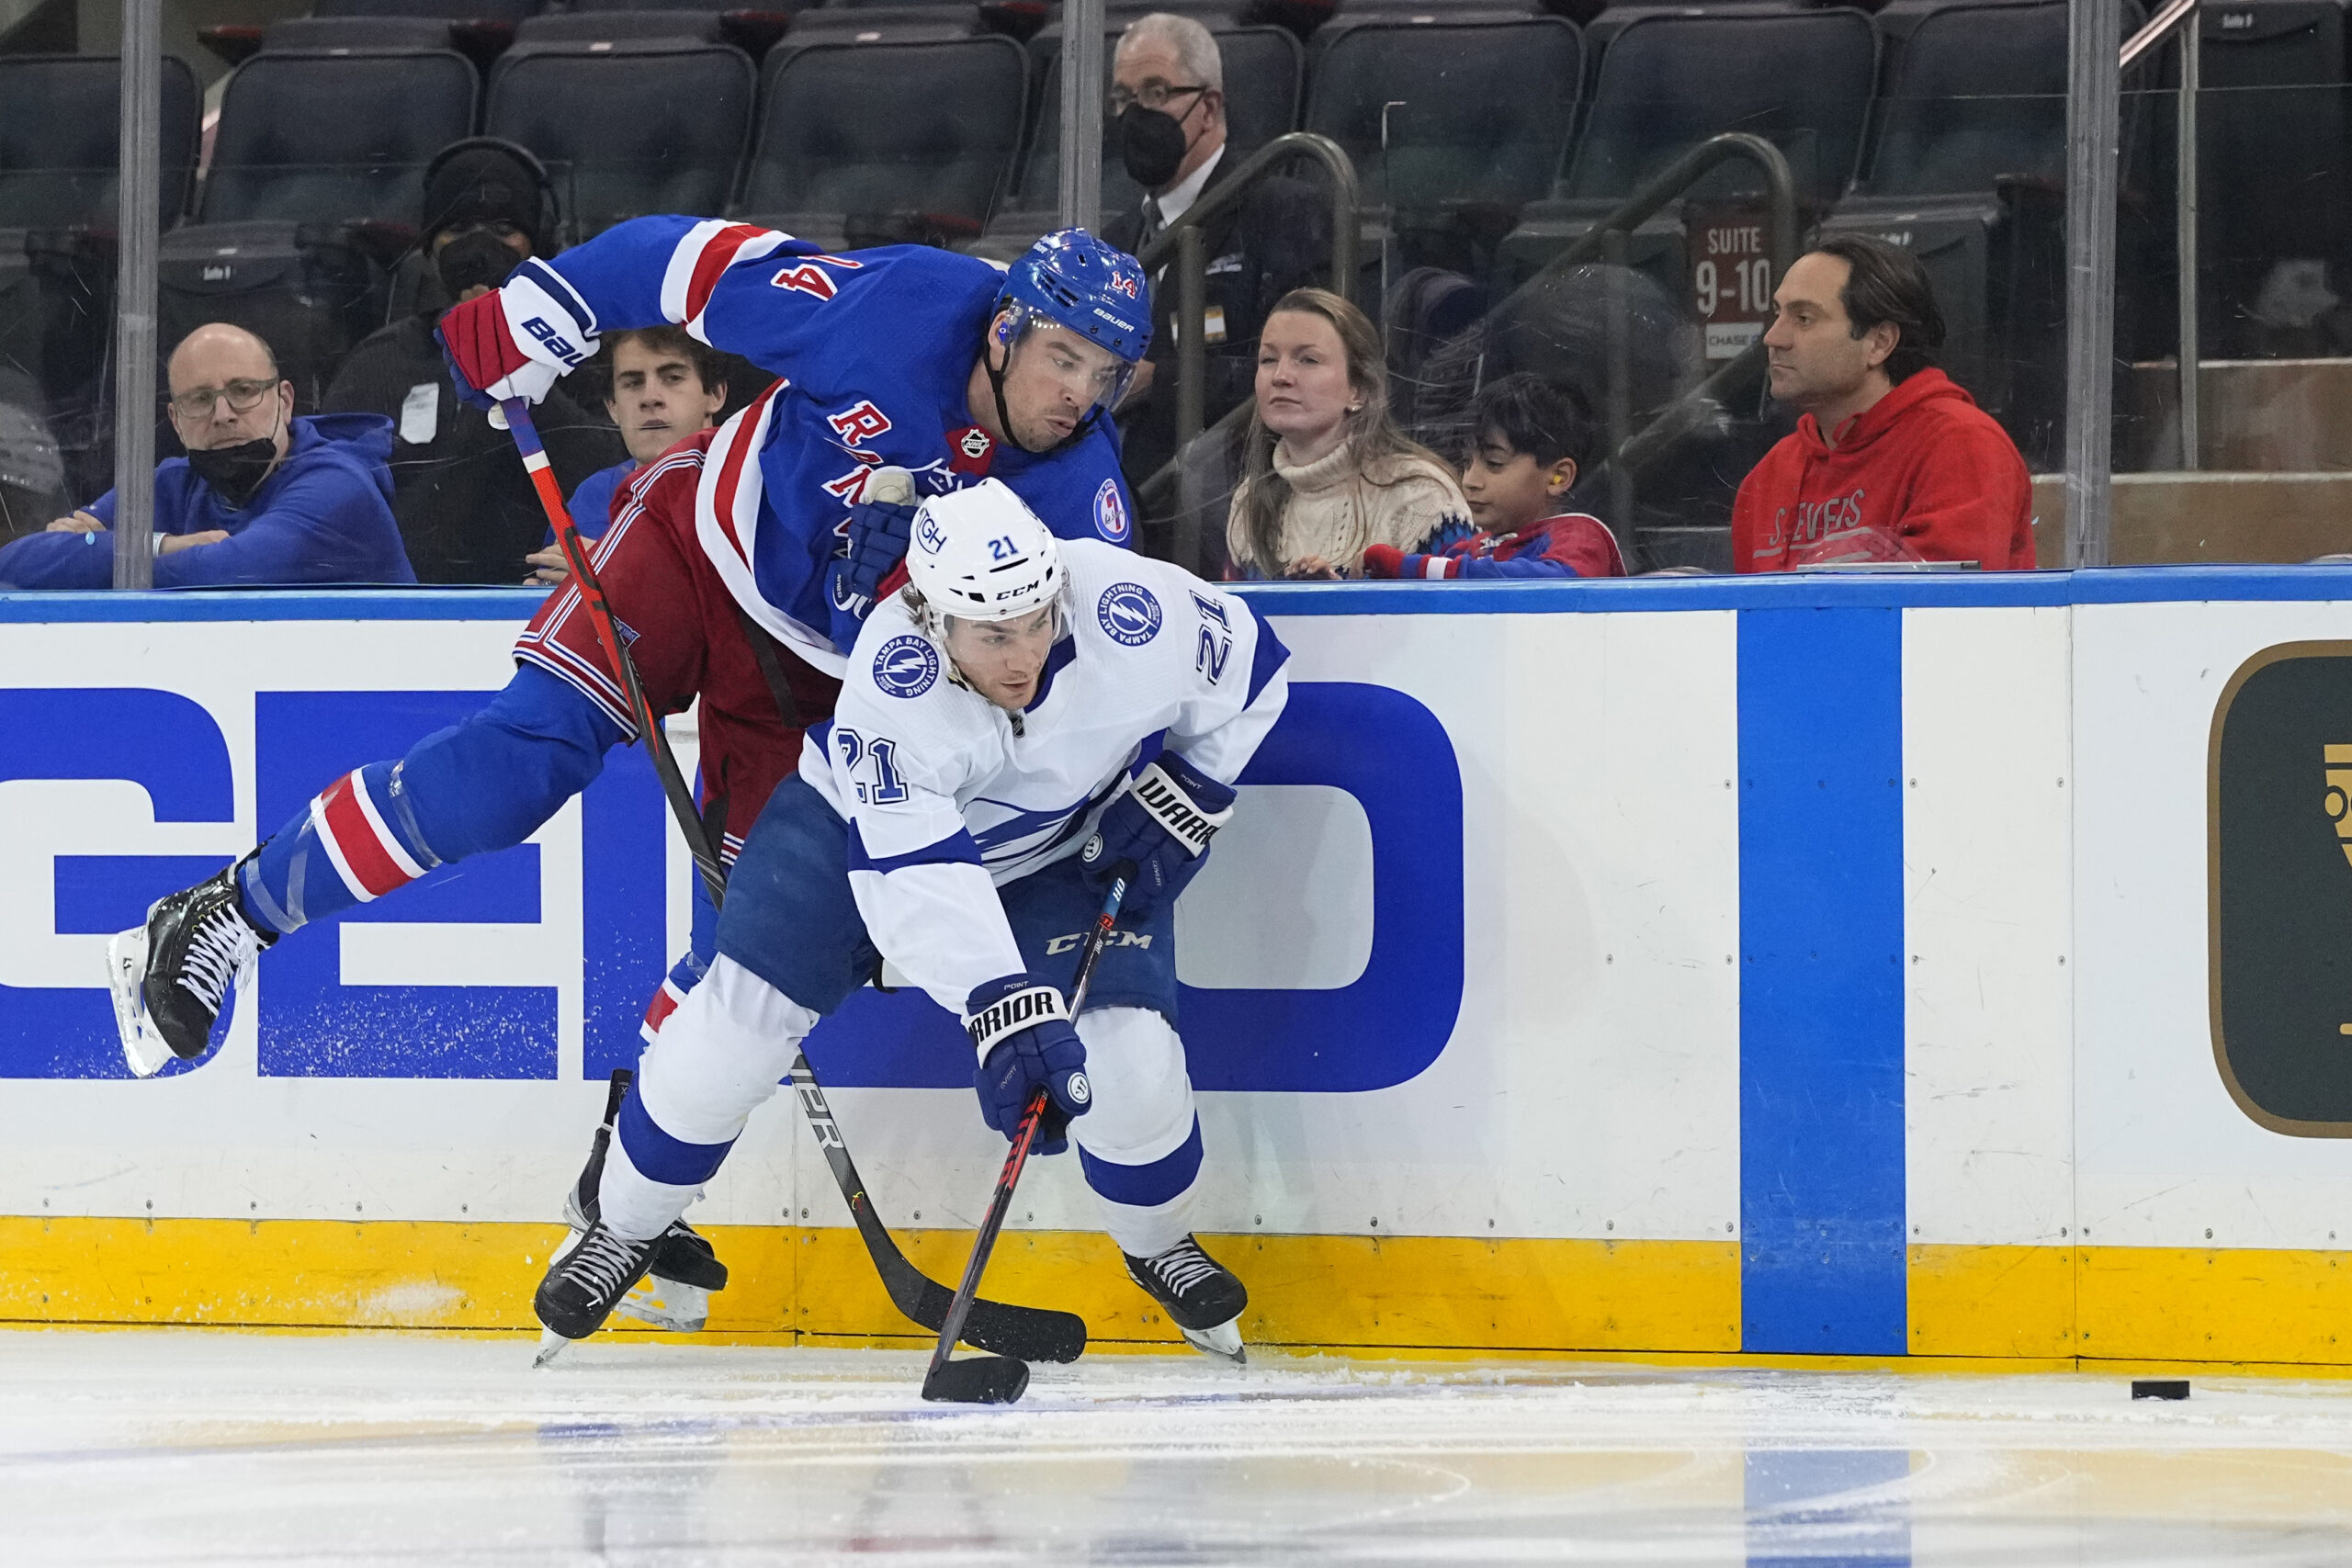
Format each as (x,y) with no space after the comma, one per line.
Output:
(1111,513)
(906,666)
(1128,612)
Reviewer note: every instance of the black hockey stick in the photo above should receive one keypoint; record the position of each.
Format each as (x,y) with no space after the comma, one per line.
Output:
(1038,1334)
(1001,1380)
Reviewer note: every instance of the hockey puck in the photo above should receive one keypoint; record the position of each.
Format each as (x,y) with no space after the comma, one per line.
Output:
(2160,1388)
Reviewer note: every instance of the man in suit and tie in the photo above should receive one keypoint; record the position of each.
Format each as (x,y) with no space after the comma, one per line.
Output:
(1168,105)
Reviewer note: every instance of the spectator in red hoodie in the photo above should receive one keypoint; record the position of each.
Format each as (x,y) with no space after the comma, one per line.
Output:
(1530,437)
(1891,462)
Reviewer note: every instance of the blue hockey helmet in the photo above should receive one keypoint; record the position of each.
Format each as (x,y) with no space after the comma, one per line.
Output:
(1095,289)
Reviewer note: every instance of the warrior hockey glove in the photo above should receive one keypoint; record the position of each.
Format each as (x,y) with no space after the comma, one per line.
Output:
(1162,823)
(514,341)
(1023,1032)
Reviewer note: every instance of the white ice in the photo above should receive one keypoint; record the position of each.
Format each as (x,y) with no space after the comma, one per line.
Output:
(185,1447)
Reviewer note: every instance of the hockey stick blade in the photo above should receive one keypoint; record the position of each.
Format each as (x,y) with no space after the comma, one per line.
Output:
(977,1380)
(1033,1334)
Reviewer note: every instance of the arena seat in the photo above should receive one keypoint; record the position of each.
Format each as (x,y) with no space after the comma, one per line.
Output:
(931,169)
(697,26)
(508,11)
(1438,113)
(942,23)
(1973,92)
(628,129)
(343,34)
(60,118)
(335,135)
(1670,79)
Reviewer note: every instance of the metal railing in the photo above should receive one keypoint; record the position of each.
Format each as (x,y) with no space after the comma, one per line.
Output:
(2179,19)
(1629,450)
(1182,239)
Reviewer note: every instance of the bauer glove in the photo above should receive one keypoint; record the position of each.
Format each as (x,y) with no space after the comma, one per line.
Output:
(514,341)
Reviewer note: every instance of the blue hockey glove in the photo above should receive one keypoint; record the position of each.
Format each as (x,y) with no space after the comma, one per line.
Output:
(1022,1029)
(880,528)
(1163,823)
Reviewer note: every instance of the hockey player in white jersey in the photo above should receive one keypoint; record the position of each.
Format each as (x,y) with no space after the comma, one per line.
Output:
(986,769)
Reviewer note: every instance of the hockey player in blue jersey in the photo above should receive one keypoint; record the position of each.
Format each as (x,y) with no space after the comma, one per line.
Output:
(741,563)
(985,770)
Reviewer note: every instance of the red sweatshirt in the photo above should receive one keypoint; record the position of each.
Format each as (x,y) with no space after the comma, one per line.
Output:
(1923,473)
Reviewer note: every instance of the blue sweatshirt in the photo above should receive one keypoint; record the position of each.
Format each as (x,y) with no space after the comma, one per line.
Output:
(324,516)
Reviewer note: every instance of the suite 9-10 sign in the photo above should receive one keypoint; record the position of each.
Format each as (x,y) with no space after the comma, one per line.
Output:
(1731,275)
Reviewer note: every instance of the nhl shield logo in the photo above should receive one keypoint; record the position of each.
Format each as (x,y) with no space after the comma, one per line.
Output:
(1111,513)
(1128,614)
(906,666)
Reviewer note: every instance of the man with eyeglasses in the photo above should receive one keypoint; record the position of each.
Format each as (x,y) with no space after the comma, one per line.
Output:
(1168,111)
(262,497)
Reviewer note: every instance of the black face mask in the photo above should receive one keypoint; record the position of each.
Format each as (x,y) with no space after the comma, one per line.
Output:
(1151,145)
(235,472)
(478,260)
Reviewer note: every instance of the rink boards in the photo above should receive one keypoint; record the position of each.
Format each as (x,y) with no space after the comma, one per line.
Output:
(1865,966)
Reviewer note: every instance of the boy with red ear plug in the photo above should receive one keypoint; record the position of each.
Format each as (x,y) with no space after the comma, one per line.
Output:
(1531,438)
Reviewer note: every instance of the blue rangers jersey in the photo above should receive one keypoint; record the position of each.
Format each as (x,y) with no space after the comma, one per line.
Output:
(947,794)
(876,349)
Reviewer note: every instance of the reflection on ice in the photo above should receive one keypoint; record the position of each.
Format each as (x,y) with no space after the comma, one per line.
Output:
(166,1448)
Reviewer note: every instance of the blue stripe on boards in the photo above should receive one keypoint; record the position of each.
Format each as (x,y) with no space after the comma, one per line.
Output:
(1821,981)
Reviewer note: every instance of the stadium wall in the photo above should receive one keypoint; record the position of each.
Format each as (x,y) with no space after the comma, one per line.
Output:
(1814,967)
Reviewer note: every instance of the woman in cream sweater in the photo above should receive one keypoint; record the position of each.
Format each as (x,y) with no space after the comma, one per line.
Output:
(1325,470)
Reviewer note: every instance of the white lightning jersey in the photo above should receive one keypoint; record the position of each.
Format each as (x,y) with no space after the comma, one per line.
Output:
(946,794)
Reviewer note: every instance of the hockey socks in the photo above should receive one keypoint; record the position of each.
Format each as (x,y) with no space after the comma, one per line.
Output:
(484,784)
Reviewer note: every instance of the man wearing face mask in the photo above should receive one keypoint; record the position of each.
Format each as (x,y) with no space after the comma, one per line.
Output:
(1169,127)
(466,508)
(262,497)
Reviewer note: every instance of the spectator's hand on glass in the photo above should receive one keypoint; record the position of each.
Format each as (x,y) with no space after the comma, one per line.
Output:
(80,523)
(1312,569)
(548,569)
(173,543)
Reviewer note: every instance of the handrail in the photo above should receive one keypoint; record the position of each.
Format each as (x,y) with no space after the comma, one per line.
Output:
(1626,216)
(1183,238)
(2180,18)
(2160,28)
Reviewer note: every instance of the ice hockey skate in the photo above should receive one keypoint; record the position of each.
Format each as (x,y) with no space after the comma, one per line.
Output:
(585,1283)
(171,977)
(675,1291)
(1204,1298)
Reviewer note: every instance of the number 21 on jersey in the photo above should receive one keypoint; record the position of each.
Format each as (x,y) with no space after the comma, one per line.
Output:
(872,766)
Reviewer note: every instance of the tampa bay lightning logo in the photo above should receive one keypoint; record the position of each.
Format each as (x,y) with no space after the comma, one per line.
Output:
(907,666)
(1129,614)
(1111,513)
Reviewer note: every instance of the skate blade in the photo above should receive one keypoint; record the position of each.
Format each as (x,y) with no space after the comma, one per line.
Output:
(1223,1342)
(552,1345)
(143,1049)
(667,1303)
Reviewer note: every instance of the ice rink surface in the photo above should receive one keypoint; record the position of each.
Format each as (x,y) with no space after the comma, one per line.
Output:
(192,1447)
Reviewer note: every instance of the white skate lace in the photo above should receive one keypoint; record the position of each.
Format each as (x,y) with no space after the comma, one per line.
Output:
(216,950)
(604,1261)
(1183,1266)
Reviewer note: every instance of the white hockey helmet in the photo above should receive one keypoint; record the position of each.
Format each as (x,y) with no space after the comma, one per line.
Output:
(979,554)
